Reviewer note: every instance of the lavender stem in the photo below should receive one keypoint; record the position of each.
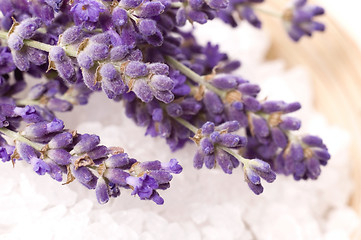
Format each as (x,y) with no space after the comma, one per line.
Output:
(194,76)
(41,46)
(18,137)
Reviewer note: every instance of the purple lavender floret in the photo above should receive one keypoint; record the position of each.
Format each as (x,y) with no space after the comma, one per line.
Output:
(6,61)
(256,169)
(244,10)
(212,139)
(86,12)
(299,20)
(122,47)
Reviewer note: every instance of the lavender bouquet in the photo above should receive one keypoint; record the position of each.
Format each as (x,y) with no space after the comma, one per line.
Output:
(142,54)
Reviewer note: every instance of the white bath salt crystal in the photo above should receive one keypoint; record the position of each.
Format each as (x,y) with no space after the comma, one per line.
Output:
(282,228)
(7,179)
(311,229)
(173,231)
(199,213)
(147,236)
(224,215)
(133,217)
(110,231)
(154,223)
(82,208)
(216,233)
(72,227)
(344,219)
(191,230)
(337,235)
(13,210)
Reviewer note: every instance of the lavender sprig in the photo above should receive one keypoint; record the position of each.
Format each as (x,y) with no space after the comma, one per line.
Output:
(137,52)
(51,149)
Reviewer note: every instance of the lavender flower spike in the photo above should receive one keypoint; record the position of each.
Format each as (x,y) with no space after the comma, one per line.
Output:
(253,170)
(299,20)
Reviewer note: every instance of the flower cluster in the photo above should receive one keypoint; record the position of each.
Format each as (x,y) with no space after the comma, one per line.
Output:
(51,149)
(137,52)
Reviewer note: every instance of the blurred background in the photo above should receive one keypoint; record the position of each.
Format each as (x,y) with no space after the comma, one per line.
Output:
(333,59)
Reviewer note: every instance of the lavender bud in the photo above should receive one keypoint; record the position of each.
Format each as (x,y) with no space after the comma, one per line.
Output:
(172,166)
(20,60)
(290,123)
(59,156)
(36,56)
(97,51)
(217,4)
(28,27)
(208,128)
(230,126)
(86,143)
(61,140)
(198,159)
(84,176)
(279,137)
(313,141)
(198,16)
(41,129)
(209,161)
(136,69)
(59,105)
(224,161)
(117,161)
(157,114)
(71,35)
(232,141)
(142,186)
(224,81)
(158,68)
(162,82)
(119,17)
(63,64)
(292,107)
(84,60)
(148,27)
(164,96)
(174,110)
(15,42)
(117,176)
(181,17)
(118,53)
(55,171)
(130,3)
(207,146)
(161,176)
(101,191)
(259,126)
(313,168)
(98,152)
(39,166)
(142,90)
(149,9)
(213,103)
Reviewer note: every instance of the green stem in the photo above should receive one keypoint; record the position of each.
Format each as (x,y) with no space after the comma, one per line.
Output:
(176,4)
(194,130)
(16,136)
(187,124)
(70,51)
(24,102)
(267,12)
(194,76)
(239,157)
